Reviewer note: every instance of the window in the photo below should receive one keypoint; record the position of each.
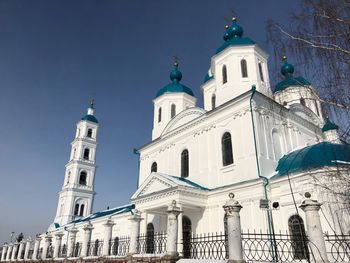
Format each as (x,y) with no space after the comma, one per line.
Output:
(213,101)
(115,246)
(150,239)
(184,163)
(298,237)
(89,133)
(173,110)
(277,147)
(82,178)
(226,145)
(261,71)
(154,167)
(224,74)
(160,115)
(244,69)
(317,110)
(302,101)
(76,209)
(86,153)
(81,212)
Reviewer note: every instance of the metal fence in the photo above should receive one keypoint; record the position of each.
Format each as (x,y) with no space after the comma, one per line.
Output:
(95,248)
(338,247)
(40,252)
(207,246)
(152,244)
(62,251)
(119,246)
(30,253)
(50,250)
(76,250)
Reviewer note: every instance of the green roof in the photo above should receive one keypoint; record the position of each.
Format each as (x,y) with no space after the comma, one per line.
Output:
(329,126)
(207,78)
(89,117)
(235,42)
(312,157)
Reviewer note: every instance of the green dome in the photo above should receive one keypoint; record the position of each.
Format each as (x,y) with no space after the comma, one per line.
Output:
(314,156)
(89,117)
(287,69)
(175,86)
(328,126)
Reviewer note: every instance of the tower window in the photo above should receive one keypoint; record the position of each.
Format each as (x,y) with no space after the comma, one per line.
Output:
(184,163)
(86,153)
(160,115)
(154,167)
(76,209)
(173,110)
(81,212)
(302,101)
(226,145)
(224,74)
(89,133)
(261,71)
(82,178)
(244,69)
(213,101)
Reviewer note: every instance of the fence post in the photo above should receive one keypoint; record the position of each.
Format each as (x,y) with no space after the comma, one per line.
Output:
(107,236)
(87,238)
(4,250)
(234,232)
(9,251)
(14,251)
(314,228)
(28,245)
(173,212)
(20,249)
(134,231)
(58,243)
(36,247)
(48,239)
(71,243)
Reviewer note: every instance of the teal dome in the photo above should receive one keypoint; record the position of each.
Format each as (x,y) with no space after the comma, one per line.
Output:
(287,69)
(313,157)
(328,126)
(175,86)
(89,117)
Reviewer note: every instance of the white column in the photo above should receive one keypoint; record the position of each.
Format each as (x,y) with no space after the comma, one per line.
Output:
(234,235)
(4,250)
(36,247)
(71,243)
(9,251)
(173,212)
(180,245)
(58,243)
(14,251)
(107,236)
(20,249)
(28,245)
(135,220)
(314,229)
(87,238)
(48,239)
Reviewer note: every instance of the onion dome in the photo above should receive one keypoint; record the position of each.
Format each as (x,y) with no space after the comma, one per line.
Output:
(287,71)
(175,86)
(90,114)
(233,37)
(328,126)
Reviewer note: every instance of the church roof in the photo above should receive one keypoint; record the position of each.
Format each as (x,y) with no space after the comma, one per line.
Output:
(314,156)
(329,126)
(89,117)
(207,78)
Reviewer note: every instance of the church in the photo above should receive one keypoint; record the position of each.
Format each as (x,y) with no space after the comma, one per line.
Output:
(267,145)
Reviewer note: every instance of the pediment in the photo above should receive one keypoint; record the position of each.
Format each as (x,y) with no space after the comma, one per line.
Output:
(182,118)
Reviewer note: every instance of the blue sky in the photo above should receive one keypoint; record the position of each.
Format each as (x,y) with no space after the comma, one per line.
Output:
(56,55)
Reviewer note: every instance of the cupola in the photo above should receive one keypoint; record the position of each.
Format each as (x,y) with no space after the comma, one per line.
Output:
(330,131)
(90,114)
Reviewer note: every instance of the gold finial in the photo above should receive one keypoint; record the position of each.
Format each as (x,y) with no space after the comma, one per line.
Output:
(234,19)
(226,26)
(284,58)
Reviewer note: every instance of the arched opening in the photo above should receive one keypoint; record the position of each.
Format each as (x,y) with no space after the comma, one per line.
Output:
(244,69)
(213,101)
(89,133)
(186,235)
(86,154)
(76,249)
(159,114)
(150,239)
(277,146)
(224,74)
(184,163)
(76,209)
(298,237)
(81,212)
(96,248)
(173,110)
(154,167)
(261,71)
(115,246)
(226,145)
(82,178)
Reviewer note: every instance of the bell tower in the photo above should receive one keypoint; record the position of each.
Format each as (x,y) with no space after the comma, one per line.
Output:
(77,194)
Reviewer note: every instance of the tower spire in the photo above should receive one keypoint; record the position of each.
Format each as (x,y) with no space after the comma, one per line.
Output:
(90,110)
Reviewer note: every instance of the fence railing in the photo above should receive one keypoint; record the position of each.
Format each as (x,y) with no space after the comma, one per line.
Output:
(338,247)
(30,253)
(207,246)
(49,253)
(62,251)
(76,250)
(152,244)
(119,246)
(40,252)
(95,248)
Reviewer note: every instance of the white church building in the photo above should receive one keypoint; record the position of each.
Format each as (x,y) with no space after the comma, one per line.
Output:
(267,145)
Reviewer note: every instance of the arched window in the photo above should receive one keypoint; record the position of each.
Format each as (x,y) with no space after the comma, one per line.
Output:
(277,146)
(298,237)
(154,167)
(186,235)
(82,178)
(159,114)
(184,163)
(96,248)
(302,101)
(213,101)
(173,110)
(150,239)
(226,145)
(224,74)
(89,133)
(81,212)
(76,209)
(261,71)
(244,69)
(115,246)
(86,153)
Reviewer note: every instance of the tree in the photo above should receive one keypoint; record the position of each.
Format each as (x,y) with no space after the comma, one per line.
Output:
(318,39)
